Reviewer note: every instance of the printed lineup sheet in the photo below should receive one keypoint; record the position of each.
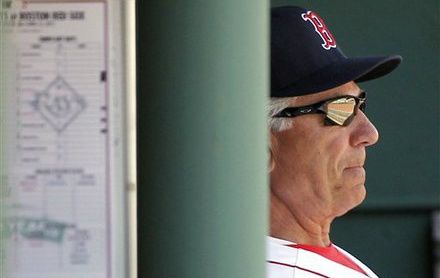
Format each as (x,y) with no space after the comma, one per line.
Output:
(58,223)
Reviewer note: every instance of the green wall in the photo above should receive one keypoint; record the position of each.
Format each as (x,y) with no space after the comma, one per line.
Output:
(391,231)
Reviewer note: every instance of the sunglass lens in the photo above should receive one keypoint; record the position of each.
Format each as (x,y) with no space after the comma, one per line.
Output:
(340,111)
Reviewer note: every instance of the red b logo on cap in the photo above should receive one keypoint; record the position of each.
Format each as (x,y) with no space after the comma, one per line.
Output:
(321,29)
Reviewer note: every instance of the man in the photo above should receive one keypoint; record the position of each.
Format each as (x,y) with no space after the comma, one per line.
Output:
(319,135)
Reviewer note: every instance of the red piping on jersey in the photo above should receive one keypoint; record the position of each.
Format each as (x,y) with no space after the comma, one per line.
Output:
(295,266)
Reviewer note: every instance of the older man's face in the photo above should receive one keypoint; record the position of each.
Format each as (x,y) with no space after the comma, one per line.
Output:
(319,168)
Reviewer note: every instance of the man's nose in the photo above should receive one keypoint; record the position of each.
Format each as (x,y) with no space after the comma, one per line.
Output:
(364,132)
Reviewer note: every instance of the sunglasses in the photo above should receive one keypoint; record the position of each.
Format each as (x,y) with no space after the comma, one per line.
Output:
(339,110)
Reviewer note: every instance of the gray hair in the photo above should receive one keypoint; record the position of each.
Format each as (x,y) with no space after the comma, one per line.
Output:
(274,107)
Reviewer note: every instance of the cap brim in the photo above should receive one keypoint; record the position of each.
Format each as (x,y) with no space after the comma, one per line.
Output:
(341,72)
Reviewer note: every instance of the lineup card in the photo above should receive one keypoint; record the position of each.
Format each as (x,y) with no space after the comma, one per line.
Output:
(58,223)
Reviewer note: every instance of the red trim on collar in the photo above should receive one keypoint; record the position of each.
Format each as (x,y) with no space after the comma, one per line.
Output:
(332,253)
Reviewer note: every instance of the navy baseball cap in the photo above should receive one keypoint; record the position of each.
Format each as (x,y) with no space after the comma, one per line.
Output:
(306,59)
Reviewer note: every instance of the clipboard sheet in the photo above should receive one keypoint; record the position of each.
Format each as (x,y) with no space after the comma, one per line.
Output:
(59,171)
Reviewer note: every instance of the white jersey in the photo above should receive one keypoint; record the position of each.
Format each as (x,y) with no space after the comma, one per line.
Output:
(284,261)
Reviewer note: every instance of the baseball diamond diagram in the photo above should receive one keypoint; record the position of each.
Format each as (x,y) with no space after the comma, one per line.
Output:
(59,209)
(59,104)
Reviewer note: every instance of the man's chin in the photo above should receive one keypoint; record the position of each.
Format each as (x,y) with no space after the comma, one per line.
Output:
(353,199)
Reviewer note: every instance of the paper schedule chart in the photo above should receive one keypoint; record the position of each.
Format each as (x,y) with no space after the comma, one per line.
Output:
(59,222)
